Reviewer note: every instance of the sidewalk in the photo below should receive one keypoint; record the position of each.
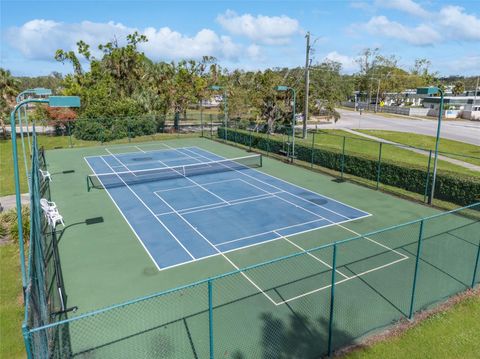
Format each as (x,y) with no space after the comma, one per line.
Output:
(470,166)
(8,202)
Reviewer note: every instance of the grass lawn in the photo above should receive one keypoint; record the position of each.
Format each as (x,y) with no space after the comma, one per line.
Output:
(11,306)
(450,147)
(361,147)
(449,334)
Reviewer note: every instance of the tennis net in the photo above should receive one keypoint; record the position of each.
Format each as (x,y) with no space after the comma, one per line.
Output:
(126,178)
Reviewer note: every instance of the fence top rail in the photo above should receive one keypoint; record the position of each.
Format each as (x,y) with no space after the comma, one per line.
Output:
(258,265)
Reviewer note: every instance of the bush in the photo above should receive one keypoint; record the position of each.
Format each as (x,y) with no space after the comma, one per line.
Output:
(455,188)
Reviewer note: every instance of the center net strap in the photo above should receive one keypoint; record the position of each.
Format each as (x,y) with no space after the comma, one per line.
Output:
(127,178)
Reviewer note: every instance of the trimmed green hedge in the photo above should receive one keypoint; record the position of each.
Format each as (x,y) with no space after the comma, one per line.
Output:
(458,189)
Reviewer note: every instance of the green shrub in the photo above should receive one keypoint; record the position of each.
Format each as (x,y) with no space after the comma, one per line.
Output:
(455,188)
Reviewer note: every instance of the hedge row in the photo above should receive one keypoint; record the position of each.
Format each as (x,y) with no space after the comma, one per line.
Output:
(458,189)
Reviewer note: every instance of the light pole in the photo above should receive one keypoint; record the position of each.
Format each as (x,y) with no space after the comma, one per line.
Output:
(38,91)
(433,91)
(225,105)
(53,101)
(294,94)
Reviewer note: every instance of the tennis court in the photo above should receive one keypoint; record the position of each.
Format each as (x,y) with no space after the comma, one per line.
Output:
(214,252)
(186,204)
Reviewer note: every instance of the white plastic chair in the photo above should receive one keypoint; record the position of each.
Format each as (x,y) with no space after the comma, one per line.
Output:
(45,175)
(48,206)
(54,218)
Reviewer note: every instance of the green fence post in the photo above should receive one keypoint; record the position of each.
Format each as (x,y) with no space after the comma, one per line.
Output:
(211,125)
(250,142)
(201,120)
(343,158)
(427,180)
(69,134)
(313,148)
(475,270)
(332,296)
(415,275)
(268,143)
(210,316)
(129,134)
(379,163)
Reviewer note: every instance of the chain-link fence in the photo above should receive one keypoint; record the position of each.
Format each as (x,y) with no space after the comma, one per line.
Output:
(307,304)
(376,164)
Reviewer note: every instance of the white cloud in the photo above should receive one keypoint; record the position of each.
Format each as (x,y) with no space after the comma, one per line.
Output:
(166,43)
(420,35)
(348,63)
(461,26)
(272,30)
(467,64)
(39,39)
(255,53)
(408,6)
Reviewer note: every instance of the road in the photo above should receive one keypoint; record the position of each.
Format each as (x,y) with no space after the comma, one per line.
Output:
(464,131)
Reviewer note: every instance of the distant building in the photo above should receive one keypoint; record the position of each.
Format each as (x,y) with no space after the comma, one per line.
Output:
(449,102)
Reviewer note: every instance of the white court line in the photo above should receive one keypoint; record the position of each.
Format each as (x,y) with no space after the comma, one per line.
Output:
(198,184)
(332,223)
(148,208)
(289,183)
(271,231)
(129,224)
(348,229)
(140,149)
(117,159)
(219,252)
(192,186)
(311,255)
(340,281)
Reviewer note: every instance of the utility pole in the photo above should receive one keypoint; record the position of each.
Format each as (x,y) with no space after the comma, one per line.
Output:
(307,85)
(474,99)
(378,92)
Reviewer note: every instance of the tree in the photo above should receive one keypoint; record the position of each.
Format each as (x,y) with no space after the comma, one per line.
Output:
(458,88)
(8,91)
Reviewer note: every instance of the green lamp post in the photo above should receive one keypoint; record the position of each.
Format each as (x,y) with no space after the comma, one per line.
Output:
(433,91)
(52,101)
(294,94)
(225,105)
(37,91)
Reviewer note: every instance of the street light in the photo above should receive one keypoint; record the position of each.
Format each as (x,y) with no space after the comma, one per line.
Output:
(284,89)
(37,91)
(52,101)
(433,91)
(225,105)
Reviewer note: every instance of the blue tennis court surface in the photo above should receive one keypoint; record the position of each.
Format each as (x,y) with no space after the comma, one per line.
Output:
(187,218)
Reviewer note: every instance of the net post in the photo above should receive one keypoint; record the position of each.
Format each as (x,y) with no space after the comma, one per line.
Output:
(261,160)
(342,168)
(210,317)
(379,166)
(475,270)
(415,275)
(332,297)
(427,180)
(313,149)
(88,184)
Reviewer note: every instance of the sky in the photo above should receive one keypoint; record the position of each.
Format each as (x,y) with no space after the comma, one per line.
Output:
(249,35)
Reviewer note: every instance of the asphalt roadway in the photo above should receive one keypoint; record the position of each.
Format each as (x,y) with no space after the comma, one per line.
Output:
(464,131)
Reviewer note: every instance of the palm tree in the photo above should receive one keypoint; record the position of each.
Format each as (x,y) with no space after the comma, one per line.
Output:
(8,90)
